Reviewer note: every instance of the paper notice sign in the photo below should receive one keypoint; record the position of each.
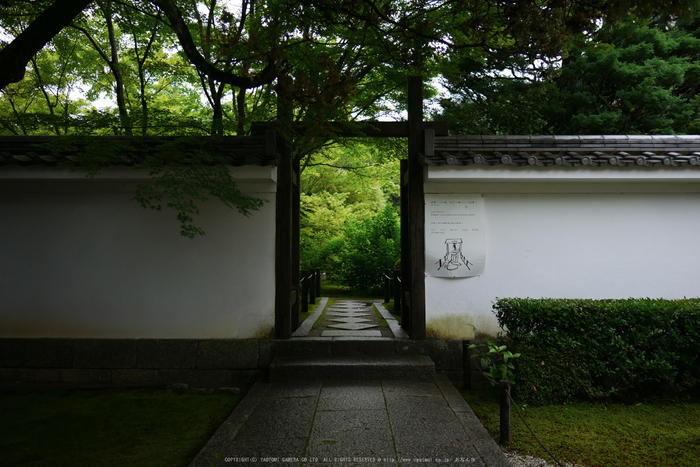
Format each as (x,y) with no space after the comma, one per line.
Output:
(455,240)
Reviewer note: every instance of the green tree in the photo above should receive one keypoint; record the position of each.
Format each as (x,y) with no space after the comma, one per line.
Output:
(372,244)
(626,77)
(349,58)
(629,78)
(343,186)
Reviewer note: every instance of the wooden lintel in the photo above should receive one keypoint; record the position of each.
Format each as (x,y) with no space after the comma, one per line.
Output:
(361,129)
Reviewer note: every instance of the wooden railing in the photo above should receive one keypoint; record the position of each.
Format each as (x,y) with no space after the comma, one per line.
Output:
(392,283)
(310,287)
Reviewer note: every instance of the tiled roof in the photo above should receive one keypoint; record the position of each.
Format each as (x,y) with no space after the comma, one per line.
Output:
(235,150)
(564,150)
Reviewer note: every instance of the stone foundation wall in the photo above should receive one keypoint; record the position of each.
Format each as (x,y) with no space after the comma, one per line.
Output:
(209,363)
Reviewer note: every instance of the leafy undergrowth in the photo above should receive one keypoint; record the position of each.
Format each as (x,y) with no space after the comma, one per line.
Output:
(593,434)
(108,427)
(331,289)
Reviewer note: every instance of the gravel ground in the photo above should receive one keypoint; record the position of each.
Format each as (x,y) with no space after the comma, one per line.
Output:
(518,460)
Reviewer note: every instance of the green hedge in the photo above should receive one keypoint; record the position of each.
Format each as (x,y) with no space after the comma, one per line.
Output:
(601,348)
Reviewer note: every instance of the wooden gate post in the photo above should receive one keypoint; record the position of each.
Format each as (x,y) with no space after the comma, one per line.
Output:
(283,215)
(405,251)
(416,207)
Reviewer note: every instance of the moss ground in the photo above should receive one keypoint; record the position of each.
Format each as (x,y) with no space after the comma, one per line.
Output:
(108,427)
(312,308)
(390,308)
(640,435)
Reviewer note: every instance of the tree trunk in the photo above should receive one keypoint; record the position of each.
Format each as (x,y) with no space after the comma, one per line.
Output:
(106,8)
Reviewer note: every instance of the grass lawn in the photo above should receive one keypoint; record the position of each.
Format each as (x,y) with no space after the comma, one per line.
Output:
(647,434)
(148,427)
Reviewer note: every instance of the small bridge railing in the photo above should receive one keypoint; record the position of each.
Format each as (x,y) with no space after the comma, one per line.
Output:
(310,282)
(392,283)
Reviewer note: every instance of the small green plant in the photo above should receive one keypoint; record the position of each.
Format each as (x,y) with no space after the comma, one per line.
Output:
(496,362)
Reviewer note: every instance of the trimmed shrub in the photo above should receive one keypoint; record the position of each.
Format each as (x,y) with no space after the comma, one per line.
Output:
(550,375)
(631,347)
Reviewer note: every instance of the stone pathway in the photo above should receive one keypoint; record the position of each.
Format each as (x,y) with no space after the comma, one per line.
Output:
(323,419)
(353,319)
(352,423)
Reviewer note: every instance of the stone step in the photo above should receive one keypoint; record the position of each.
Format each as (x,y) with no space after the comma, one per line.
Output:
(361,367)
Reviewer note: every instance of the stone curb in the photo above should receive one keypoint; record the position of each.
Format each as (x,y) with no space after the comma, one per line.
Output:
(487,448)
(393,323)
(308,323)
(209,455)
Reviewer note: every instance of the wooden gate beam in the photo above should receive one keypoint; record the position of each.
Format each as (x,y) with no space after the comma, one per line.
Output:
(358,129)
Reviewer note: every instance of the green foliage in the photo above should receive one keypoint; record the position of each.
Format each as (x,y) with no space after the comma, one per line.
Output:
(630,348)
(495,362)
(623,77)
(128,57)
(629,78)
(551,375)
(342,189)
(372,244)
(183,172)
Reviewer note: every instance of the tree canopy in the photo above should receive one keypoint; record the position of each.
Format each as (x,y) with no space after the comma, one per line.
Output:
(349,58)
(637,76)
(350,215)
(209,67)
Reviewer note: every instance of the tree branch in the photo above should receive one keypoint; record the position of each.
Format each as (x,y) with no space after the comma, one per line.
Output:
(177,23)
(16,55)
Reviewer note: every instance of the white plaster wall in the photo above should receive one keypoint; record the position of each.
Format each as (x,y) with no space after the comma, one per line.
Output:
(576,240)
(79,262)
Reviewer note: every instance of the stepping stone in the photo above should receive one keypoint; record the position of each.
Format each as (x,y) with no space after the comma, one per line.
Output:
(350,320)
(353,310)
(352,326)
(339,333)
(335,313)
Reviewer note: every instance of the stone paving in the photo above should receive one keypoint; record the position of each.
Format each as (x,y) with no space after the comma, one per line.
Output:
(352,318)
(373,422)
(352,423)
